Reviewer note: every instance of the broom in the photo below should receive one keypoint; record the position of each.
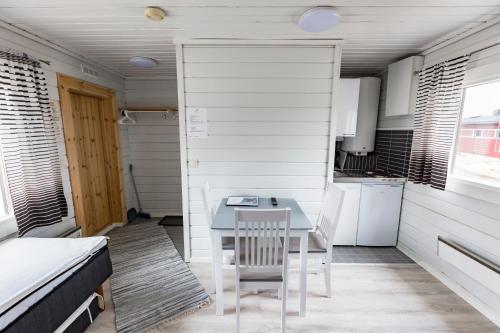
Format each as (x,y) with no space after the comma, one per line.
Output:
(132,213)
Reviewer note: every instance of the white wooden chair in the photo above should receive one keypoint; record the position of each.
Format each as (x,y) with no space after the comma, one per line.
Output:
(227,242)
(261,255)
(321,239)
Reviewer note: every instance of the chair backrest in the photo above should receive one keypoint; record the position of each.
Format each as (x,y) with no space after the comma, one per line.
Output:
(208,204)
(329,216)
(261,239)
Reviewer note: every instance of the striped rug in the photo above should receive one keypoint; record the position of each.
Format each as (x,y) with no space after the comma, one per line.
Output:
(151,284)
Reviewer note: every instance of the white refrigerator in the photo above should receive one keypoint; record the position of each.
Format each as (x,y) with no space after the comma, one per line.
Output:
(379,211)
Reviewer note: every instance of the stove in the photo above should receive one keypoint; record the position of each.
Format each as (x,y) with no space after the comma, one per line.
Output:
(367,177)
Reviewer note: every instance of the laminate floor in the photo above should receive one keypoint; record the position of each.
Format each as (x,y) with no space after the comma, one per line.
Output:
(366,298)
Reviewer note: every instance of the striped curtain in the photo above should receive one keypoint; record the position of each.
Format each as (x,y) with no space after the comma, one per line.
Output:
(28,143)
(437,110)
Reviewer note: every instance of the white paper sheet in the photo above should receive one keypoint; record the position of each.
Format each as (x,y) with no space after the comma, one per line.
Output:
(197,124)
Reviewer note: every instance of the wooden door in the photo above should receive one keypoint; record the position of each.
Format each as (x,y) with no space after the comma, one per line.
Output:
(89,120)
(88,117)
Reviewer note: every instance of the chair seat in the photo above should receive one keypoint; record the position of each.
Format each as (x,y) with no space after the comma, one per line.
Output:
(315,244)
(261,277)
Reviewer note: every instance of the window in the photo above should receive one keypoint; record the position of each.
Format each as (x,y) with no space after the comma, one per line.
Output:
(477,147)
(5,209)
(7,220)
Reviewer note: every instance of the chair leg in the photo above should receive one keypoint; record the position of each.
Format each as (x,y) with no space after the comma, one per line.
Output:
(283,306)
(280,293)
(237,307)
(213,278)
(328,273)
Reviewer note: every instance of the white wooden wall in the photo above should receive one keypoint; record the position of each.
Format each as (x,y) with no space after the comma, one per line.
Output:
(428,213)
(151,92)
(268,121)
(60,63)
(154,147)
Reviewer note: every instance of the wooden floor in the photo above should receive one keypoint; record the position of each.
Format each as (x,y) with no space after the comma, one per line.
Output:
(367,298)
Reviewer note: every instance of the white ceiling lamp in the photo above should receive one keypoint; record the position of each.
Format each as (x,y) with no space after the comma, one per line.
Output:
(143,62)
(155,13)
(319,19)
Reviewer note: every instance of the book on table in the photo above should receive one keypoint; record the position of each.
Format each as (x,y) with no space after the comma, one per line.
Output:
(243,201)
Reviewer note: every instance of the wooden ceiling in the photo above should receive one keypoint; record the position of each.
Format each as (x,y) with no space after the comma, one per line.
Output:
(376,32)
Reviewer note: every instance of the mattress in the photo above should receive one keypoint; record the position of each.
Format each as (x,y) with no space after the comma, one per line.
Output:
(36,266)
(50,312)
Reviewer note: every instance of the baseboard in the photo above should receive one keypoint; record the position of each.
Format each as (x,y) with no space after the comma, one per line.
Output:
(109,228)
(200,260)
(156,215)
(484,309)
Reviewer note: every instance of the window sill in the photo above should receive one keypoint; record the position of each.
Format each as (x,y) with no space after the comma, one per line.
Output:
(8,226)
(473,189)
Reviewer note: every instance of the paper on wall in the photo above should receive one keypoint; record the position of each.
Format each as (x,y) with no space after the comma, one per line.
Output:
(197,124)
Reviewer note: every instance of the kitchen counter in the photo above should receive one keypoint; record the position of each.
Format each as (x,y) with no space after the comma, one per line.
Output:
(350,177)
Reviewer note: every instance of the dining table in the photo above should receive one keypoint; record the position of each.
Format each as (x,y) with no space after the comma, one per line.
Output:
(223,226)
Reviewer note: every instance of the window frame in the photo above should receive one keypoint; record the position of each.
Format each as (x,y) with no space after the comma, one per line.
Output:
(8,223)
(463,185)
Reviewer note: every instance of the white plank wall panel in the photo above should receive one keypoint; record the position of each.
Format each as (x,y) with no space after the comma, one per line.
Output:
(466,219)
(263,141)
(228,85)
(269,114)
(267,70)
(151,92)
(154,147)
(68,65)
(268,122)
(428,213)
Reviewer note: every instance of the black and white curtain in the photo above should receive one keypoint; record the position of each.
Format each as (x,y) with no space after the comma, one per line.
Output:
(437,111)
(28,143)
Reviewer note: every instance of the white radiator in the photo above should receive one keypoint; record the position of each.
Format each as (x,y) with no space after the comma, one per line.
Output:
(480,269)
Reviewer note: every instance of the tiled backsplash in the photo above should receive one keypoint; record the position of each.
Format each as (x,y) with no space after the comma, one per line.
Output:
(392,153)
(393,149)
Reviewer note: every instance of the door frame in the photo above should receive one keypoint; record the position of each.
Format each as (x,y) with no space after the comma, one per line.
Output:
(66,86)
(179,51)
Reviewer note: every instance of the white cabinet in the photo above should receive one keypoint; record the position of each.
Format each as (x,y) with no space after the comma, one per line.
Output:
(347,107)
(348,222)
(402,84)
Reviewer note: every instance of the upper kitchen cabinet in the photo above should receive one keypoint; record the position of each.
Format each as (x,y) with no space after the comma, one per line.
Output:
(402,86)
(348,107)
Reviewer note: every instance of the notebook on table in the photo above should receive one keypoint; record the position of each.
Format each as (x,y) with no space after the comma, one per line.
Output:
(243,201)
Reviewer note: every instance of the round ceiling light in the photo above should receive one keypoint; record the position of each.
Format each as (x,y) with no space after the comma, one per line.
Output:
(155,13)
(319,19)
(143,62)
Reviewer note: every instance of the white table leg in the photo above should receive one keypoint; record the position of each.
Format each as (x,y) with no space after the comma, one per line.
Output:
(303,272)
(217,262)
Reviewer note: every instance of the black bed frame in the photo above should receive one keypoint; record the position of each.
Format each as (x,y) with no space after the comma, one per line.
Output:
(51,311)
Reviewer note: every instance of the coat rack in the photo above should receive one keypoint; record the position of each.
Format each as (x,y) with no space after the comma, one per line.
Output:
(169,113)
(150,109)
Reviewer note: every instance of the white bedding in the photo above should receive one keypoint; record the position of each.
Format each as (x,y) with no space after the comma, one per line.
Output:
(28,264)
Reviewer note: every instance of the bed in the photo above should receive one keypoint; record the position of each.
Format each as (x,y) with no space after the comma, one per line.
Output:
(49,284)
